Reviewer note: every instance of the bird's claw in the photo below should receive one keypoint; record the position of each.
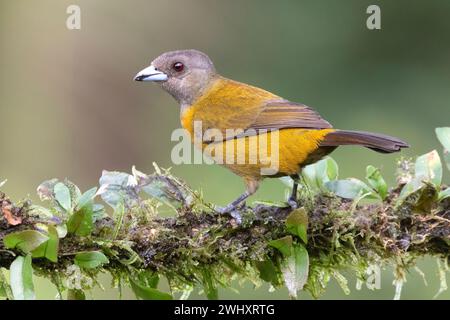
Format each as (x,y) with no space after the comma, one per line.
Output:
(231,211)
(223,210)
(293,204)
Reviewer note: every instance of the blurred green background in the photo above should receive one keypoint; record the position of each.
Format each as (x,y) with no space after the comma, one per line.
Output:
(69,107)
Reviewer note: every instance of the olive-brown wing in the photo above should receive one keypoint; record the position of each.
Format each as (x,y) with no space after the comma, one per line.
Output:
(286,114)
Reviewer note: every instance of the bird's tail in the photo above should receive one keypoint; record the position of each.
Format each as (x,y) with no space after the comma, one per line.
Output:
(375,141)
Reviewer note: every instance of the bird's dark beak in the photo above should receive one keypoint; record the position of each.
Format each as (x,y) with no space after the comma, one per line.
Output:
(150,74)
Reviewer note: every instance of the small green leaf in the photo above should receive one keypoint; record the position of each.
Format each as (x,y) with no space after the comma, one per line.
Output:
(5,289)
(62,195)
(90,259)
(41,212)
(444,194)
(45,189)
(295,269)
(267,271)
(376,181)
(428,168)
(148,278)
(297,224)
(443,135)
(283,245)
(81,221)
(342,282)
(86,197)
(332,168)
(119,212)
(26,240)
(317,174)
(148,293)
(99,212)
(351,189)
(76,294)
(117,186)
(165,190)
(48,249)
(75,192)
(209,286)
(421,200)
(21,278)
(411,187)
(447,158)
(62,230)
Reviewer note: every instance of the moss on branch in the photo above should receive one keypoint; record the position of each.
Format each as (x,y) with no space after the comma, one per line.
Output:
(199,247)
(341,225)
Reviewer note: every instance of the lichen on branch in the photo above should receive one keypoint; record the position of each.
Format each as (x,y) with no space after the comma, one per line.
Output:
(341,225)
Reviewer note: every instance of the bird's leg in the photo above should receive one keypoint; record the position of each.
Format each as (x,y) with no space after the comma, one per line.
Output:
(292,201)
(233,205)
(251,187)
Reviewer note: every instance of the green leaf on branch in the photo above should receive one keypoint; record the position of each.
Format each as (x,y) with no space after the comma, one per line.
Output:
(5,289)
(351,189)
(268,271)
(376,181)
(443,135)
(62,195)
(167,189)
(45,190)
(119,213)
(118,186)
(444,194)
(90,259)
(321,172)
(421,199)
(283,245)
(411,187)
(428,168)
(62,230)
(210,288)
(86,198)
(21,278)
(447,158)
(147,278)
(81,222)
(48,249)
(144,286)
(26,240)
(297,224)
(295,269)
(162,186)
(147,293)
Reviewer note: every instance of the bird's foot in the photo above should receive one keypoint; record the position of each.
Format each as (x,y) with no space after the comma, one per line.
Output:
(232,211)
(223,210)
(292,203)
(236,216)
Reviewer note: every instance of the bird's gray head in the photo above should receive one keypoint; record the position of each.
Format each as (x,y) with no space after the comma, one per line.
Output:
(183,73)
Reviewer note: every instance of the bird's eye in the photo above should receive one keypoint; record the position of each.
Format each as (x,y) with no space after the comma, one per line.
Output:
(178,66)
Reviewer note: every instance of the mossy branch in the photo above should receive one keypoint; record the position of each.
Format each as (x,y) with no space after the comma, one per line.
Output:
(342,225)
(200,247)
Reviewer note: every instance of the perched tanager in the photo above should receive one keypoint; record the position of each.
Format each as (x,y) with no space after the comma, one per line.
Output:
(253,132)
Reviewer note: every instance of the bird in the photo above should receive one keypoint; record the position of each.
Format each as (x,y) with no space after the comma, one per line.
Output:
(242,113)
